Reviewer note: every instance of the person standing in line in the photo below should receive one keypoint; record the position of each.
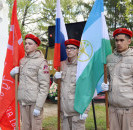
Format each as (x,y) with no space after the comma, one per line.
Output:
(70,119)
(120,82)
(34,82)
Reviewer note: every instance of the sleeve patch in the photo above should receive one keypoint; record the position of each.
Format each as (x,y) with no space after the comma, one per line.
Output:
(45,67)
(46,72)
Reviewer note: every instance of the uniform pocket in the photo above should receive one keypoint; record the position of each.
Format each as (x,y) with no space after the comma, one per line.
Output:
(70,106)
(38,122)
(110,67)
(71,94)
(73,78)
(20,94)
(63,75)
(127,93)
(31,95)
(131,119)
(32,70)
(80,124)
(126,90)
(125,70)
(21,67)
(131,123)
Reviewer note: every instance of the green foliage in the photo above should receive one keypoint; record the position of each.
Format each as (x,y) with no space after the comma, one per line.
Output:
(35,16)
(119,14)
(127,7)
(50,123)
(27,13)
(48,12)
(84,8)
(100,118)
(53,92)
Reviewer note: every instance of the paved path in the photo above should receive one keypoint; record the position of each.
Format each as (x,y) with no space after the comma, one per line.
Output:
(50,109)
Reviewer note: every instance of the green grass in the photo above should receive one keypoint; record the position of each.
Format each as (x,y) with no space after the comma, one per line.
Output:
(50,123)
(100,118)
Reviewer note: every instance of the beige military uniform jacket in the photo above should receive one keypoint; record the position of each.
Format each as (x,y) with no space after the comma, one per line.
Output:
(120,76)
(68,85)
(34,80)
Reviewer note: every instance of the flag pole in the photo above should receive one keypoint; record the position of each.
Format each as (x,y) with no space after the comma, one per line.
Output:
(59,82)
(16,100)
(94,115)
(106,97)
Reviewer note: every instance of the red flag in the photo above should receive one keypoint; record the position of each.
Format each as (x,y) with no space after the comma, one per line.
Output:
(15,51)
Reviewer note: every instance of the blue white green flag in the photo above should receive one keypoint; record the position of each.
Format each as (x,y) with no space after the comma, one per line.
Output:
(94,48)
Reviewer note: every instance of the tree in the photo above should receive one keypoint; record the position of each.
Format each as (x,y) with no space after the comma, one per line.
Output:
(27,14)
(128,12)
(83,9)
(116,15)
(35,16)
(70,10)
(36,20)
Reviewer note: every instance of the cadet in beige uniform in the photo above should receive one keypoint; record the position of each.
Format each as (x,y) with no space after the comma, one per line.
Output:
(33,84)
(120,77)
(70,119)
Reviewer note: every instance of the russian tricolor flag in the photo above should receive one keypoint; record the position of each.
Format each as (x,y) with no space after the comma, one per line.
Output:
(60,37)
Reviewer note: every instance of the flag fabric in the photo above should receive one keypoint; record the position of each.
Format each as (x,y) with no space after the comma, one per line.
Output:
(60,37)
(15,51)
(94,47)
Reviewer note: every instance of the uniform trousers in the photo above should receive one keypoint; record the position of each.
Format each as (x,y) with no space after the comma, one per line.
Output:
(72,123)
(29,121)
(121,118)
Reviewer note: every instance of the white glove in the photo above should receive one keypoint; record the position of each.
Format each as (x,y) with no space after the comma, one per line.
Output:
(36,112)
(14,71)
(105,87)
(83,116)
(57,75)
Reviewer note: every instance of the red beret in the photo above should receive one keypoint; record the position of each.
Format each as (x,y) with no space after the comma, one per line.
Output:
(72,42)
(122,31)
(34,38)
